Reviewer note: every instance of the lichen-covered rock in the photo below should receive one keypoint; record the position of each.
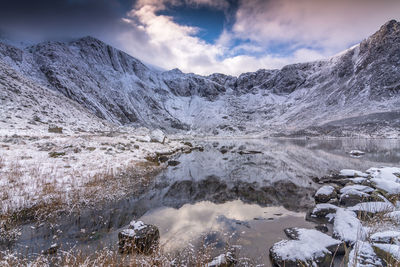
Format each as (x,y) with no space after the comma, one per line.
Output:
(139,237)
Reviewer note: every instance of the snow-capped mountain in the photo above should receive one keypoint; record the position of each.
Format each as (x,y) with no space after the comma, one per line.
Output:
(357,91)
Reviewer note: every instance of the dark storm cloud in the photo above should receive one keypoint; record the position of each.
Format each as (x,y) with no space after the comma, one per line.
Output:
(61,18)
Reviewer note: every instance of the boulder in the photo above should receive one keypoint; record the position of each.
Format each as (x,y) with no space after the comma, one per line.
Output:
(310,248)
(372,208)
(386,237)
(322,211)
(363,254)
(388,252)
(325,193)
(55,129)
(353,197)
(139,237)
(157,136)
(347,227)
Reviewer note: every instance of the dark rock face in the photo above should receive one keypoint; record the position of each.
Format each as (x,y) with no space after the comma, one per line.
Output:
(139,237)
(336,96)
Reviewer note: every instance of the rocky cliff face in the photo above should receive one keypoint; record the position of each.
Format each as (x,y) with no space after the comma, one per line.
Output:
(321,97)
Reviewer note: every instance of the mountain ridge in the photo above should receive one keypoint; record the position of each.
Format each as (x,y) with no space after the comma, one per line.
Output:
(121,89)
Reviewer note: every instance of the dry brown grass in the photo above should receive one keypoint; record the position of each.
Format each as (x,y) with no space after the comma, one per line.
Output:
(51,199)
(107,257)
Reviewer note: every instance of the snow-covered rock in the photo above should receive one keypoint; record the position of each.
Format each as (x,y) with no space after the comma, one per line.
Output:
(312,248)
(363,255)
(389,252)
(353,194)
(347,227)
(322,211)
(325,193)
(352,197)
(139,237)
(387,237)
(224,260)
(360,188)
(373,207)
(352,173)
(386,179)
(157,136)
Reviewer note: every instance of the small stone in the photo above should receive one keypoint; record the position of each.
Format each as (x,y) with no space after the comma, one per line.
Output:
(139,237)
(157,136)
(173,163)
(51,250)
(325,193)
(322,228)
(55,129)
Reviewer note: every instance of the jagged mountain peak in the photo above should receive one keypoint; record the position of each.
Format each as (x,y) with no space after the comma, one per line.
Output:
(386,35)
(390,27)
(120,88)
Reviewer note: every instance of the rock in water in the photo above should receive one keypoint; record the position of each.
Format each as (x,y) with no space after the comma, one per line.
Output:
(139,237)
(311,248)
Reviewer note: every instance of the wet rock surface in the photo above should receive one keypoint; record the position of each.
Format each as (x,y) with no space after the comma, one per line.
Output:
(139,237)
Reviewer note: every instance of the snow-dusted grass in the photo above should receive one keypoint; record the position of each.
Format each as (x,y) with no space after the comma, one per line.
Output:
(110,257)
(48,174)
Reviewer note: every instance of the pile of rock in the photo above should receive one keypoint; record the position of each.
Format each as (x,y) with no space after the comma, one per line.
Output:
(349,203)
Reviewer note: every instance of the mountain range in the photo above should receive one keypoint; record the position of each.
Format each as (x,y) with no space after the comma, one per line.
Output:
(87,83)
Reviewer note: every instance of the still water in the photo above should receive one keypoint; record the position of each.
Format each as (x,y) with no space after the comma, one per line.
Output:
(236,193)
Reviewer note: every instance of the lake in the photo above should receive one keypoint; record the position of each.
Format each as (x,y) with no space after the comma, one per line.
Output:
(236,193)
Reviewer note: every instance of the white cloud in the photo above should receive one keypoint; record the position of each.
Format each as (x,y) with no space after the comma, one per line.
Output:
(330,26)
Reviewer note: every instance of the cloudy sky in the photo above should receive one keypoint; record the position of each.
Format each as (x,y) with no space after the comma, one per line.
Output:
(204,36)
